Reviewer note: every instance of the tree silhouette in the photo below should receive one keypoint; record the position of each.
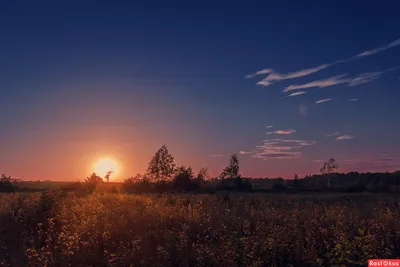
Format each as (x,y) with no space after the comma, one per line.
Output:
(184,178)
(93,178)
(203,174)
(232,170)
(107,176)
(92,181)
(6,184)
(162,166)
(329,167)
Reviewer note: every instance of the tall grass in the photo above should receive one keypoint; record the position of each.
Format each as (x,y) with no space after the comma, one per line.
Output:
(195,230)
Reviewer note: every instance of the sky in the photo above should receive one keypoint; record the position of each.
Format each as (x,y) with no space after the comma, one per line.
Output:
(286,85)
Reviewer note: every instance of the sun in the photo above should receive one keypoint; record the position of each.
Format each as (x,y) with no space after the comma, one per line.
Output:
(104,165)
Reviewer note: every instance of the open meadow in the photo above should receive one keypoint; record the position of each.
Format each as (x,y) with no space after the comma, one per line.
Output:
(55,228)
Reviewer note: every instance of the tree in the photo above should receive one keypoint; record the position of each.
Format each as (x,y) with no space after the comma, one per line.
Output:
(329,167)
(162,166)
(203,174)
(232,170)
(296,182)
(107,176)
(6,184)
(184,179)
(92,181)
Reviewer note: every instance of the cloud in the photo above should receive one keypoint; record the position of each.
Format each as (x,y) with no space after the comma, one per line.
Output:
(379,49)
(318,161)
(365,78)
(284,132)
(281,149)
(265,71)
(218,155)
(333,134)
(269,126)
(353,99)
(246,152)
(274,76)
(297,93)
(323,100)
(368,77)
(344,137)
(320,83)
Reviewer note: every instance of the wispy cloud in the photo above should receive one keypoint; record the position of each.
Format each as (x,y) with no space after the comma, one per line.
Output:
(297,93)
(269,126)
(274,76)
(353,99)
(323,100)
(247,152)
(281,149)
(379,49)
(365,78)
(283,132)
(368,77)
(218,155)
(318,161)
(344,137)
(320,83)
(333,134)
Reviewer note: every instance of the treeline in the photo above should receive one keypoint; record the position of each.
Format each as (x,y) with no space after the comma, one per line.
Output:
(163,175)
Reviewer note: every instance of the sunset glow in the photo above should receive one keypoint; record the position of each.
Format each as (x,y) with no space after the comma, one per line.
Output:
(104,165)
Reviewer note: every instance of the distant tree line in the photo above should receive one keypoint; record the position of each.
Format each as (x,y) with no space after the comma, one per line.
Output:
(163,175)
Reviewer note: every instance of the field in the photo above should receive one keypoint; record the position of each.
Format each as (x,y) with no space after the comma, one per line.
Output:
(57,229)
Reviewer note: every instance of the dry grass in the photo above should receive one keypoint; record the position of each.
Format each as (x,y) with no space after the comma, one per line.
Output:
(195,230)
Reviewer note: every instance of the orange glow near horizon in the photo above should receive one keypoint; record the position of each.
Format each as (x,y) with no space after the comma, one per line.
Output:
(104,165)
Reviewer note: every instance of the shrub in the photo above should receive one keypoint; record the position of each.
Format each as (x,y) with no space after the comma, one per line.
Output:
(5,184)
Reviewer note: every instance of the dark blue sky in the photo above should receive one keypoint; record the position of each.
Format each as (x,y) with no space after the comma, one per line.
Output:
(80,81)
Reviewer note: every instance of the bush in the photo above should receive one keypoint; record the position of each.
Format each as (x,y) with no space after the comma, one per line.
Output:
(92,181)
(5,184)
(137,184)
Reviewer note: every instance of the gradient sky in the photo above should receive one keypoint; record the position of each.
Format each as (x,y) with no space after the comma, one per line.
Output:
(285,84)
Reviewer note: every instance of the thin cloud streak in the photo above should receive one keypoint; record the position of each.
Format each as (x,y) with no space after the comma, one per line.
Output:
(269,126)
(353,99)
(365,78)
(247,152)
(281,149)
(379,49)
(320,83)
(333,134)
(368,77)
(323,100)
(282,132)
(297,93)
(344,137)
(275,76)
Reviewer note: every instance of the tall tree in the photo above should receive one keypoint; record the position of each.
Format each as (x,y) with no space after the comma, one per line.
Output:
(203,174)
(329,168)
(232,170)
(162,166)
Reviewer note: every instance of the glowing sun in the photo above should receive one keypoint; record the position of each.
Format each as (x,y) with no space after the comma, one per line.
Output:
(102,166)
